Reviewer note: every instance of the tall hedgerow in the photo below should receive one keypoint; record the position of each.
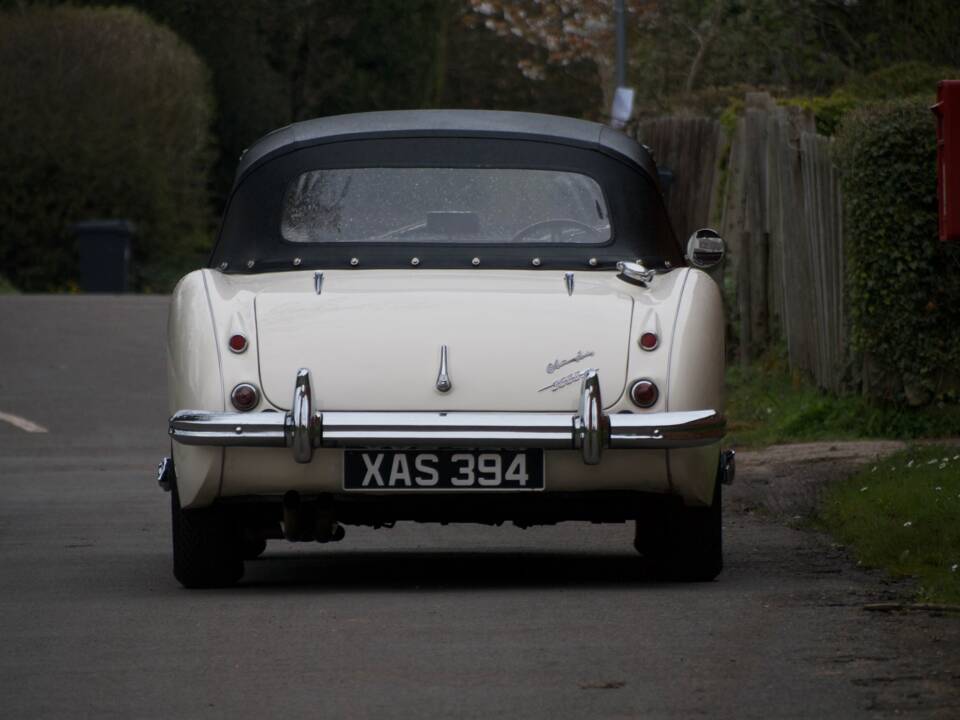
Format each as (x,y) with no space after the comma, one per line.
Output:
(903,283)
(104,114)
(900,80)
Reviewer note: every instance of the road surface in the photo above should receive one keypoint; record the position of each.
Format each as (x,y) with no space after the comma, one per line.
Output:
(418,621)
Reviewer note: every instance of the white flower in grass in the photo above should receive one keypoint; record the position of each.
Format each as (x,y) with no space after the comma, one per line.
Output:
(873,469)
(864,488)
(941,466)
(946,459)
(956,457)
(910,464)
(908,523)
(953,568)
(931,462)
(938,488)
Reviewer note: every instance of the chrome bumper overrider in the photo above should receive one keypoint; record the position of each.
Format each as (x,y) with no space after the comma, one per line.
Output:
(590,430)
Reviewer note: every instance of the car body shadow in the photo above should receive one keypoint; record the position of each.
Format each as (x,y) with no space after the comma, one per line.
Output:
(440,570)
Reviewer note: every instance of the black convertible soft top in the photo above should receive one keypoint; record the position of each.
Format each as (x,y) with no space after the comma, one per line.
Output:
(446,123)
(250,238)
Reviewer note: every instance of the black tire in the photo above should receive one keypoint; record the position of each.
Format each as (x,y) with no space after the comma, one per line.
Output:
(206,546)
(684,543)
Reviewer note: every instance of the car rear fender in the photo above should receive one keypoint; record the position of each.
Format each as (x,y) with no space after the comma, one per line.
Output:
(194,380)
(696,380)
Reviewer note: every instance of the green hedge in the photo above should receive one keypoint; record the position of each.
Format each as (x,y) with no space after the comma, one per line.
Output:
(891,83)
(105,114)
(903,283)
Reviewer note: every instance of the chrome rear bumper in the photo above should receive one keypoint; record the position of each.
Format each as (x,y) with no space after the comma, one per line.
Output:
(590,430)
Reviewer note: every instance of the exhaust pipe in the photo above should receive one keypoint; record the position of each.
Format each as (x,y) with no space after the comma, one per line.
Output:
(332,533)
(327,529)
(311,520)
(291,515)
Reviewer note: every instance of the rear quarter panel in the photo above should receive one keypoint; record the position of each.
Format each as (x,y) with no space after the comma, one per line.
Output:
(194,381)
(696,381)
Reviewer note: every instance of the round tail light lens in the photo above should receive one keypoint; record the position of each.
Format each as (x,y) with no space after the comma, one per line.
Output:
(238,343)
(644,393)
(649,341)
(245,397)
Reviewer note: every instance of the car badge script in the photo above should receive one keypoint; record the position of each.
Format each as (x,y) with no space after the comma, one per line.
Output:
(557,364)
(566,380)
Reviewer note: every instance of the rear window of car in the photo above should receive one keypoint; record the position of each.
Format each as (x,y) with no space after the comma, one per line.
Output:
(444,205)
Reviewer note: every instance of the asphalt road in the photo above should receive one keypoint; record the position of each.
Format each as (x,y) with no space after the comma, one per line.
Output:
(418,621)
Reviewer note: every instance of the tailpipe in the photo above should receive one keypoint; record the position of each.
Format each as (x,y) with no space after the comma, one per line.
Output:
(310,520)
(292,512)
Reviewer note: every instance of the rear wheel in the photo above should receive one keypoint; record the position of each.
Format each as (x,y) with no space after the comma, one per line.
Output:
(207,546)
(684,543)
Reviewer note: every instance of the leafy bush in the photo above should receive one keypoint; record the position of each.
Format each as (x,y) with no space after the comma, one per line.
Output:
(891,83)
(903,283)
(827,110)
(899,81)
(104,114)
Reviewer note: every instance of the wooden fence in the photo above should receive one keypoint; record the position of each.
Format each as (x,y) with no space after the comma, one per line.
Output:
(771,189)
(691,148)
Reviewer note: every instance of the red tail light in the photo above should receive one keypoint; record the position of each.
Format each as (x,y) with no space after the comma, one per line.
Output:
(644,393)
(245,397)
(649,341)
(238,343)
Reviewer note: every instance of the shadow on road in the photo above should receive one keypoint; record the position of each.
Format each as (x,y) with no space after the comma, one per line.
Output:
(392,570)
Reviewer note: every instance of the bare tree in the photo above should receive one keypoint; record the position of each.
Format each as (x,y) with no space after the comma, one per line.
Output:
(565,30)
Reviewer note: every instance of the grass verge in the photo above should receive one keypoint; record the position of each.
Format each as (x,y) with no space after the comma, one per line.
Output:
(767,405)
(6,287)
(903,514)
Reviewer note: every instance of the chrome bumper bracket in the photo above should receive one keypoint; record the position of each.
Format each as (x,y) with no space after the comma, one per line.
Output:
(728,466)
(589,425)
(165,474)
(299,428)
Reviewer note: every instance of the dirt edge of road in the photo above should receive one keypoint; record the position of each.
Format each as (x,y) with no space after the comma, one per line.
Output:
(915,666)
(786,481)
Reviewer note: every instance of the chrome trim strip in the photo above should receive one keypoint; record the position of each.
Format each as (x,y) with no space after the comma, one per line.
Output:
(590,430)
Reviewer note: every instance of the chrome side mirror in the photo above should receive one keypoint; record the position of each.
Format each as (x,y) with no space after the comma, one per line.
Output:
(705,249)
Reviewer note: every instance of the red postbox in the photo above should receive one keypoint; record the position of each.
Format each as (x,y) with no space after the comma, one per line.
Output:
(947,111)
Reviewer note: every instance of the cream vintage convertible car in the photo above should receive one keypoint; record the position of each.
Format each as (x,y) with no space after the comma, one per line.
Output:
(446,316)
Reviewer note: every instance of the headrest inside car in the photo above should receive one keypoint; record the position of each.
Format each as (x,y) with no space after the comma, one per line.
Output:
(453,222)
